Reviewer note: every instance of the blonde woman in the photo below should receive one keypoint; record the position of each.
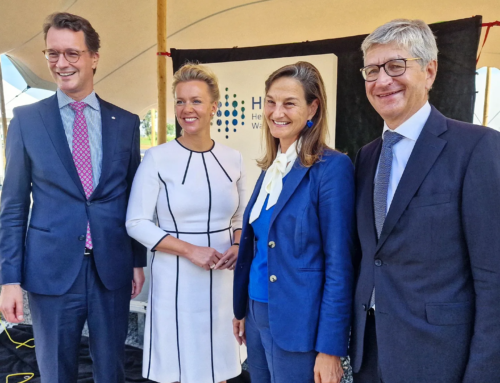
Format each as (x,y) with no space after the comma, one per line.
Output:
(196,188)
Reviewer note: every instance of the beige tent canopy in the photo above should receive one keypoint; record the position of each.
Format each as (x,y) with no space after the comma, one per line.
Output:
(127,70)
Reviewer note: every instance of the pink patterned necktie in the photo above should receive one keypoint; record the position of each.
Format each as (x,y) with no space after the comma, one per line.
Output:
(81,155)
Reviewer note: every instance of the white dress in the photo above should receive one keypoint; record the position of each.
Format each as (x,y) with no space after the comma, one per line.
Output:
(198,197)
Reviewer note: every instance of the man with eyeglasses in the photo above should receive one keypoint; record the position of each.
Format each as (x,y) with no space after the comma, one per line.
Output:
(426,306)
(74,155)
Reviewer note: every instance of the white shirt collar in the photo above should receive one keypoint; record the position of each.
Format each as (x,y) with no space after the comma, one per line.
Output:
(412,127)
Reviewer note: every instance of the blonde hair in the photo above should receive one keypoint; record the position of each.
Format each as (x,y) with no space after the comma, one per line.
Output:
(197,72)
(313,139)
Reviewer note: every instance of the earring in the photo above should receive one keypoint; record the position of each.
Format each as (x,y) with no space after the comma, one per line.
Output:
(309,124)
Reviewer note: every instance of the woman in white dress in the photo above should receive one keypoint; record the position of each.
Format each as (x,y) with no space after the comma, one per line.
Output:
(196,188)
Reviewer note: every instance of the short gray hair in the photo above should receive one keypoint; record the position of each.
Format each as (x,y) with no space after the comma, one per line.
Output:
(413,35)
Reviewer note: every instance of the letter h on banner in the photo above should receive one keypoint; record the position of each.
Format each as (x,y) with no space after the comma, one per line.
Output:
(256,103)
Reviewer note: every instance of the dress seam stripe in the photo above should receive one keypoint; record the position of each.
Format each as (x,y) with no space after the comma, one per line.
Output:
(211,327)
(177,278)
(198,232)
(187,167)
(168,203)
(211,271)
(209,199)
(177,318)
(236,211)
(239,200)
(151,318)
(224,170)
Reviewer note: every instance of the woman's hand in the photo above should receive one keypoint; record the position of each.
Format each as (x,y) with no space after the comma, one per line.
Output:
(239,331)
(228,260)
(204,257)
(328,368)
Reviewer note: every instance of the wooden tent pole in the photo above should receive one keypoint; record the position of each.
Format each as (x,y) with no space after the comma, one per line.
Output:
(4,115)
(153,127)
(162,70)
(487,97)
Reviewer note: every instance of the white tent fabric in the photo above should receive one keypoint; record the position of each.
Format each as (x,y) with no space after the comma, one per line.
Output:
(14,98)
(127,70)
(32,80)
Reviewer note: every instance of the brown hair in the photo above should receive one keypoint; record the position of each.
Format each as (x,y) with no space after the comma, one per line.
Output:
(313,139)
(64,20)
(197,72)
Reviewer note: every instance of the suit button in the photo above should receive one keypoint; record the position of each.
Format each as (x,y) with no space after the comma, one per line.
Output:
(89,203)
(81,238)
(378,262)
(273,278)
(272,244)
(364,307)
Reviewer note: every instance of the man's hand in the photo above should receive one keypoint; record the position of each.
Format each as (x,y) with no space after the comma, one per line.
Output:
(137,282)
(11,303)
(328,369)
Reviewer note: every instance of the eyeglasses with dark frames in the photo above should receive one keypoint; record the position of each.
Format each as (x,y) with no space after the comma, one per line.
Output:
(71,55)
(393,68)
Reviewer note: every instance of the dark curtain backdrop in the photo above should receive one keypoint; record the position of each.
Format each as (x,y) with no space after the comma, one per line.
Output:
(357,123)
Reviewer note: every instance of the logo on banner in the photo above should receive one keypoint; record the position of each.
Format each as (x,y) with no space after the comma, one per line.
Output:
(231,114)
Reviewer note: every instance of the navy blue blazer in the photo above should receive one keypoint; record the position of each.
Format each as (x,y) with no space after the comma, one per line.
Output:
(436,266)
(46,256)
(312,229)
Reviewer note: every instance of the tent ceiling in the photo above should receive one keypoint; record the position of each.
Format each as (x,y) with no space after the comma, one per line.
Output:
(127,69)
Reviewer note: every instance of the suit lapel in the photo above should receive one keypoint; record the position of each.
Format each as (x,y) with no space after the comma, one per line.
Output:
(253,198)
(293,180)
(109,124)
(246,242)
(424,154)
(51,117)
(366,192)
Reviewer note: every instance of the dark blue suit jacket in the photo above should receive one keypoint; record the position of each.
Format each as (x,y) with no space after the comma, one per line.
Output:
(436,266)
(312,226)
(46,256)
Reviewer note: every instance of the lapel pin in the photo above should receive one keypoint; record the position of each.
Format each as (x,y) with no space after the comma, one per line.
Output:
(113,117)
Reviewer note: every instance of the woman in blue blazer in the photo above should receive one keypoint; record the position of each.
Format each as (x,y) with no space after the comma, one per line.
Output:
(294,277)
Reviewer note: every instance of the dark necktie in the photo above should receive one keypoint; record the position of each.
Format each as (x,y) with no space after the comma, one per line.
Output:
(383,177)
(382,185)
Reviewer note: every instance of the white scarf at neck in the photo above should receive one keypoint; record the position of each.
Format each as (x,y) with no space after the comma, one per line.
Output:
(273,180)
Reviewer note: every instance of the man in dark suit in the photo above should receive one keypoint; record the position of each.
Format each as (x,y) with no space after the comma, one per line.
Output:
(74,155)
(427,298)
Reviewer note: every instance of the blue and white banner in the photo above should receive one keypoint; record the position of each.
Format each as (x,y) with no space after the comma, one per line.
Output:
(238,122)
